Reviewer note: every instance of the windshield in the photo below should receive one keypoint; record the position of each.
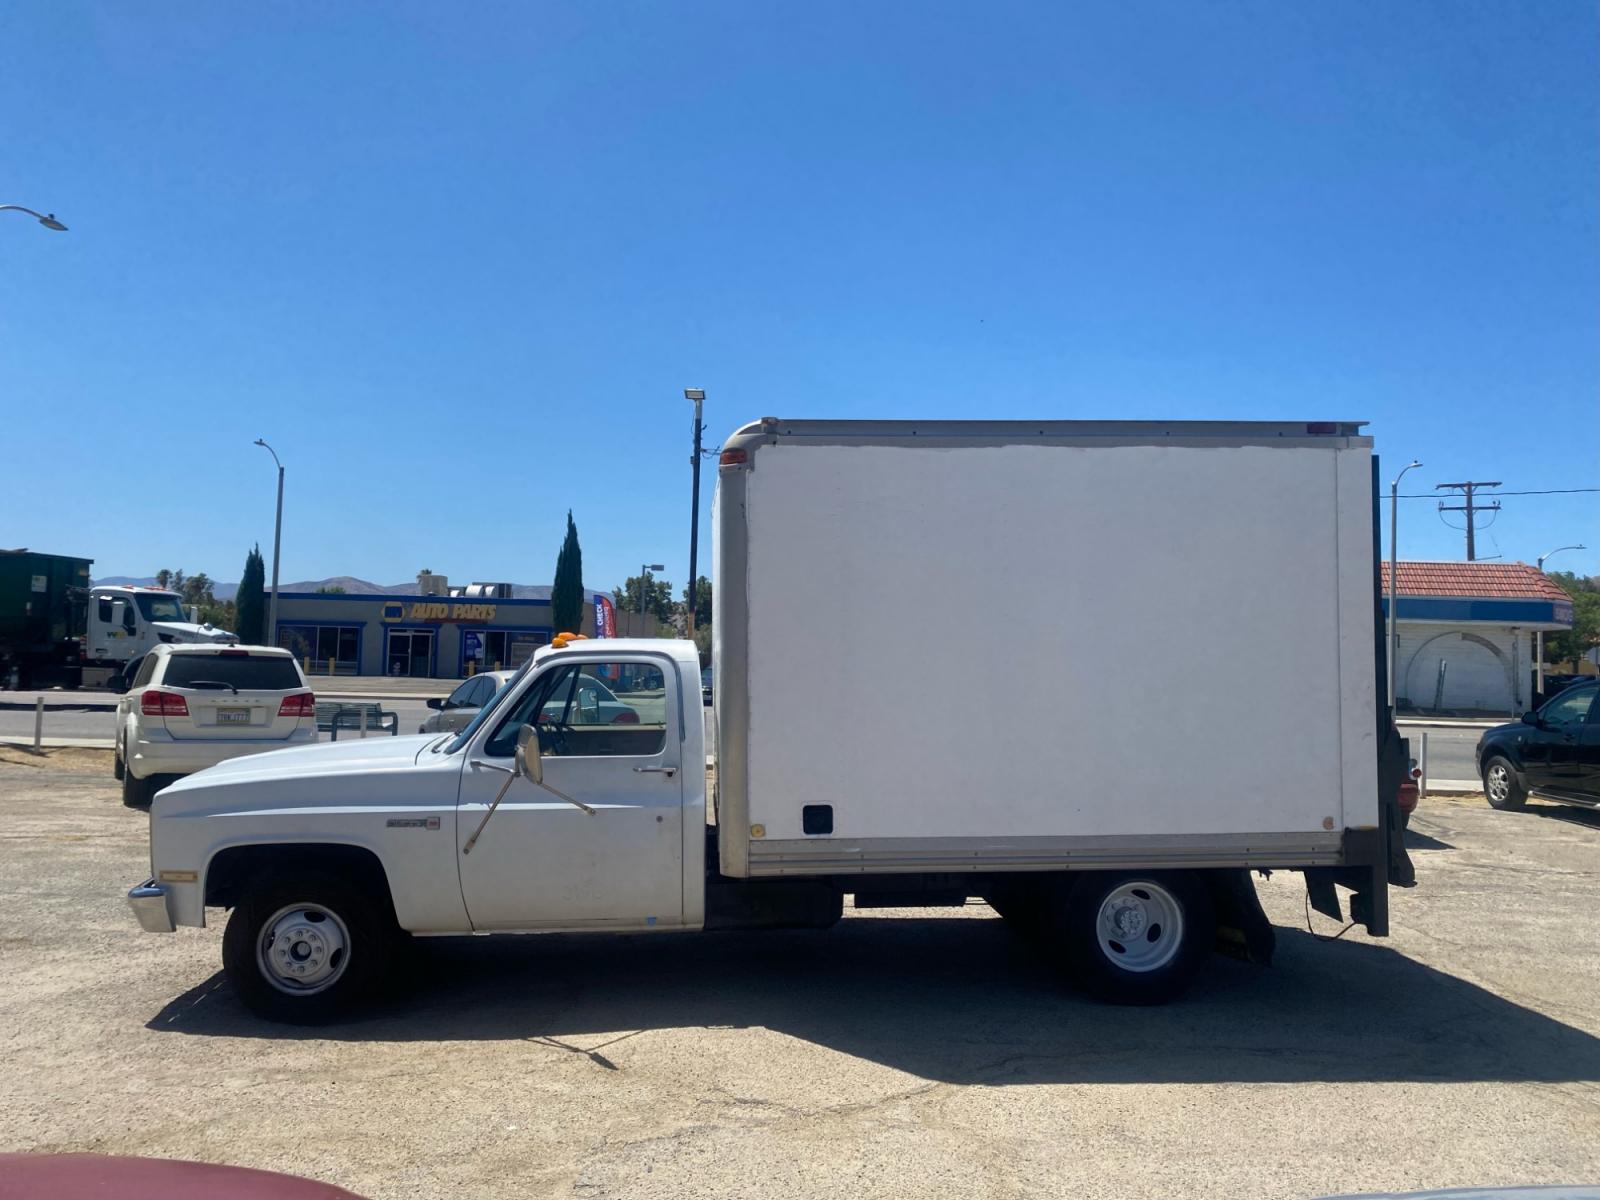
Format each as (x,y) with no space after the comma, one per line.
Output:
(161,608)
(465,736)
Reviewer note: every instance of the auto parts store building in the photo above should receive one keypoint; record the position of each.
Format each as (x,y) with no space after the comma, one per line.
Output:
(422,636)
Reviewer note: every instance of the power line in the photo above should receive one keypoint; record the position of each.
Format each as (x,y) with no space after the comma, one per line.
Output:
(1538,492)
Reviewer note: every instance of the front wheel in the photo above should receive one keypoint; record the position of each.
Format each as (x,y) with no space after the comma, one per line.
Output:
(1501,785)
(307,948)
(1135,937)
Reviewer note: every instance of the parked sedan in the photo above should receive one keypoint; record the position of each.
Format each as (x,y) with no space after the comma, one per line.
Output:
(1553,753)
(193,706)
(457,709)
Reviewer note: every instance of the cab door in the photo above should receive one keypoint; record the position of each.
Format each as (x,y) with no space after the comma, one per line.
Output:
(542,862)
(1554,757)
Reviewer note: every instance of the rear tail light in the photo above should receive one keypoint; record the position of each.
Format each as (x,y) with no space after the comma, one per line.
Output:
(626,717)
(302,705)
(733,458)
(1408,796)
(163,704)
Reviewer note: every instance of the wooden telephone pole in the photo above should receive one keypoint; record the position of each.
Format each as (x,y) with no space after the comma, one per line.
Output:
(1469,507)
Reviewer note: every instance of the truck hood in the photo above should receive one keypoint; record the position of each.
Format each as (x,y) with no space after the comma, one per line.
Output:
(325,761)
(183,631)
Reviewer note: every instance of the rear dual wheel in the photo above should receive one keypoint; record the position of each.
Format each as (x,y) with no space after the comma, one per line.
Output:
(1124,937)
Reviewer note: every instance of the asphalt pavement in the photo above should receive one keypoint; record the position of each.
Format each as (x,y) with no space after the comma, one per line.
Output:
(98,725)
(1451,750)
(89,715)
(904,1053)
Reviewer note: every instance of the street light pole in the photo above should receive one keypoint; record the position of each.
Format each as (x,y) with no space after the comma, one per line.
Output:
(48,220)
(698,395)
(1394,576)
(644,583)
(277,541)
(1538,634)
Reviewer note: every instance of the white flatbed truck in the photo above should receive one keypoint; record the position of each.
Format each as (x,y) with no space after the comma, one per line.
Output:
(1094,673)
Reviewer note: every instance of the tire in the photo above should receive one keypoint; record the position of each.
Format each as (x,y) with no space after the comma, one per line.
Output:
(1023,910)
(137,793)
(118,769)
(1134,937)
(348,944)
(1501,787)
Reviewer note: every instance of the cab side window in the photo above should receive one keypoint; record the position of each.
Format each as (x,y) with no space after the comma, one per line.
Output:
(103,609)
(460,697)
(579,715)
(1568,709)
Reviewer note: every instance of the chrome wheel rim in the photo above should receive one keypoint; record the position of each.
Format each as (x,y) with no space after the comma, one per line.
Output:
(303,949)
(1499,782)
(1140,926)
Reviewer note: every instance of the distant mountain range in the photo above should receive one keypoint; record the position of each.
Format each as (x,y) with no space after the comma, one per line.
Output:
(356,587)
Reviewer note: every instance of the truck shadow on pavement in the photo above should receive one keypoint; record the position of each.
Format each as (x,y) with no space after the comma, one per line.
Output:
(953,1000)
(1566,812)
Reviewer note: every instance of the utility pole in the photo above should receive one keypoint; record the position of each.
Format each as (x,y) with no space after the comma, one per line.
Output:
(1469,507)
(698,395)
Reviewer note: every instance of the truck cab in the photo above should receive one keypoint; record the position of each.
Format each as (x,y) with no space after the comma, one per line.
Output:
(557,809)
(125,622)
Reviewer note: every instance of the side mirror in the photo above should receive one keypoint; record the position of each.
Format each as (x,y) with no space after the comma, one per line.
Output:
(1532,718)
(436,704)
(529,765)
(589,704)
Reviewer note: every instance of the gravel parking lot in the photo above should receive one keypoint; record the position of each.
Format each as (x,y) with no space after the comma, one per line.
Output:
(902,1053)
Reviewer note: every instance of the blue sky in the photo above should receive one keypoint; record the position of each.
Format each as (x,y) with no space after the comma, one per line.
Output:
(457,263)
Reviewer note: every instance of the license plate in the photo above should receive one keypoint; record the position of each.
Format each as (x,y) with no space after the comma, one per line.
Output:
(233,716)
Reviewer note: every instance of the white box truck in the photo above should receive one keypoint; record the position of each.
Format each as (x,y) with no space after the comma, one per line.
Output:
(1094,673)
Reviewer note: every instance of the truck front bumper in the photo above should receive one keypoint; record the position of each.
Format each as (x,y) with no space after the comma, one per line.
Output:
(149,904)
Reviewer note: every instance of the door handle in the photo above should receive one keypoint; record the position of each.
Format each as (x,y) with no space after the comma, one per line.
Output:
(656,770)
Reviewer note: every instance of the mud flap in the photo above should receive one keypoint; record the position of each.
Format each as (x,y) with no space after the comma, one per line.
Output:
(1243,930)
(1392,768)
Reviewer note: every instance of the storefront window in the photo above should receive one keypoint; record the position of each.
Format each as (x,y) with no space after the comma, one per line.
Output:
(323,649)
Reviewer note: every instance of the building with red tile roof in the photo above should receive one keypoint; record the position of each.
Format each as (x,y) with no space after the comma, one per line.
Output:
(1466,632)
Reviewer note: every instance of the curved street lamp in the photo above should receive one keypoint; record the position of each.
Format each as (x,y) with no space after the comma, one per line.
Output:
(644,582)
(48,220)
(1394,576)
(277,540)
(1538,634)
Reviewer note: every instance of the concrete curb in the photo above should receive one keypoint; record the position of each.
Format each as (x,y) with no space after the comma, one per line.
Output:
(1453,723)
(110,705)
(58,743)
(1455,787)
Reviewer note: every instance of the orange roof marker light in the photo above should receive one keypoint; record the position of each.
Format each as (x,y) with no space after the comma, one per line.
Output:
(561,639)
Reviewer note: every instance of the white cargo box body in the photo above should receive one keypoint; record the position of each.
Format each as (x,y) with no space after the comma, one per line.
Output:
(1022,646)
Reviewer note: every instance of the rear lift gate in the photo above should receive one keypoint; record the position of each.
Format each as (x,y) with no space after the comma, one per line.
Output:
(1374,858)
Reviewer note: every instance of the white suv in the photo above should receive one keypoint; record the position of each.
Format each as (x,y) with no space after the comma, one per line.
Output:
(191,707)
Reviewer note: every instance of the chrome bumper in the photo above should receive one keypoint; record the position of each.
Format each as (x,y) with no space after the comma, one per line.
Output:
(149,904)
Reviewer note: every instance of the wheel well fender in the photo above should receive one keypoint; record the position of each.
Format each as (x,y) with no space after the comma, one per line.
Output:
(232,868)
(1498,750)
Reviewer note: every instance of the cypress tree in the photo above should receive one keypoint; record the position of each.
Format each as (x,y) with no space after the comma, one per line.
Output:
(251,603)
(566,594)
